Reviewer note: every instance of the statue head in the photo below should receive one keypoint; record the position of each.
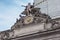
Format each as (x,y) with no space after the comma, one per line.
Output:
(29,3)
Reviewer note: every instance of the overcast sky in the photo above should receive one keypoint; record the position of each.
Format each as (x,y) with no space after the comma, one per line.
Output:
(9,11)
(52,6)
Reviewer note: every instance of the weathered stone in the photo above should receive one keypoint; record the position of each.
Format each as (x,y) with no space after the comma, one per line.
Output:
(31,25)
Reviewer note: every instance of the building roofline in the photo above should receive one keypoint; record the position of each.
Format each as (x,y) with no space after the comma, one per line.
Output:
(37,34)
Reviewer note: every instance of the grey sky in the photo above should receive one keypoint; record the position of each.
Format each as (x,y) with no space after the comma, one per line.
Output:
(53,7)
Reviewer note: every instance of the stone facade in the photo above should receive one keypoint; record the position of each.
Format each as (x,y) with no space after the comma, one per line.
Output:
(48,35)
(35,26)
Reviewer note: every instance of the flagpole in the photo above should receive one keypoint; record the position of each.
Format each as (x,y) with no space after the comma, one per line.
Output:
(47,7)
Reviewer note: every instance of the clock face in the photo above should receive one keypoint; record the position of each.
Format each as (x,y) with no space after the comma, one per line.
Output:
(28,19)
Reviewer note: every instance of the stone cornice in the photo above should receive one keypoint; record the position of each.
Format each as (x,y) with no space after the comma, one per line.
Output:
(38,34)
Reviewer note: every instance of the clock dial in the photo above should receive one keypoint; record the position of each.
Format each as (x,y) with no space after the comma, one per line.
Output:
(28,19)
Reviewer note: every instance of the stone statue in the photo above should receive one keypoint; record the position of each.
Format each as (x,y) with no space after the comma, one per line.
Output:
(28,9)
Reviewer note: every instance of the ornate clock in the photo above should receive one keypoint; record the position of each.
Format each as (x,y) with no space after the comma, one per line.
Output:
(28,19)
